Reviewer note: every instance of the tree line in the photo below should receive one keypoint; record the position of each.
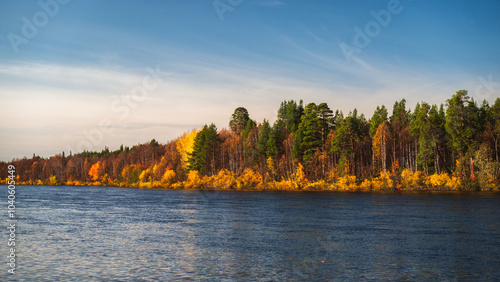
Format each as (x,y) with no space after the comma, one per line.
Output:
(452,146)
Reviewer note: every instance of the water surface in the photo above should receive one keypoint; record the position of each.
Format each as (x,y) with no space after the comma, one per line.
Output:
(104,233)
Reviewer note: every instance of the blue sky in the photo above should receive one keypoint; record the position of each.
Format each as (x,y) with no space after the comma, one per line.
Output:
(71,74)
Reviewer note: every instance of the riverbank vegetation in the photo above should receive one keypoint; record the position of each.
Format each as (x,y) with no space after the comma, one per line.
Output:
(452,146)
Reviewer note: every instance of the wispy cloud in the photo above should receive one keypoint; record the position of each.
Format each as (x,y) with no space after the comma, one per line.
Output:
(311,34)
(67,76)
(271,3)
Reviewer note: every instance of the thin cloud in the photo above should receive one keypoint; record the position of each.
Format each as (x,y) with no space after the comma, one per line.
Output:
(271,3)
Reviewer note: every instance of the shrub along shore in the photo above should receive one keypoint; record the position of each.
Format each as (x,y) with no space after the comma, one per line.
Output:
(252,181)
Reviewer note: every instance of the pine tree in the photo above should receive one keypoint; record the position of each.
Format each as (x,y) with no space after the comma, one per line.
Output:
(290,113)
(239,120)
(349,134)
(265,131)
(437,121)
(399,125)
(275,141)
(313,131)
(461,122)
(422,127)
(493,129)
(379,116)
(202,158)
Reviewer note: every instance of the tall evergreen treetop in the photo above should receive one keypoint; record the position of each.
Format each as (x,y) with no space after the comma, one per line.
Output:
(379,116)
(239,120)
(290,113)
(462,121)
(202,158)
(313,130)
(264,134)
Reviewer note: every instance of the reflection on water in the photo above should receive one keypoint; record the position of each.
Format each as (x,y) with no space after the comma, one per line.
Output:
(96,233)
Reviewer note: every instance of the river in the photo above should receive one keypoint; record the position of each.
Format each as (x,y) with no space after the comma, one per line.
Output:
(114,234)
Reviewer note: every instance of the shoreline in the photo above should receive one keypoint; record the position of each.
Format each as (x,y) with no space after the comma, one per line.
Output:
(260,189)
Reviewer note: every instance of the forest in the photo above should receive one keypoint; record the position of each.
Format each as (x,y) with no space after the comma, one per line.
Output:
(452,146)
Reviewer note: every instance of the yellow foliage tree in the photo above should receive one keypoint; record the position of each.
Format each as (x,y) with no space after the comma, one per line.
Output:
(271,168)
(383,181)
(193,179)
(168,177)
(410,179)
(249,179)
(366,185)
(131,173)
(443,180)
(53,180)
(156,172)
(145,175)
(454,183)
(224,179)
(300,177)
(346,182)
(331,175)
(185,146)
(106,180)
(437,180)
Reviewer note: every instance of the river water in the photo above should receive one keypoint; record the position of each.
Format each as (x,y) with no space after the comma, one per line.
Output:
(114,234)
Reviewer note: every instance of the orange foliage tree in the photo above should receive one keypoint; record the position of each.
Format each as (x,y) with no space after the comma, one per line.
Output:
(95,171)
(380,141)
